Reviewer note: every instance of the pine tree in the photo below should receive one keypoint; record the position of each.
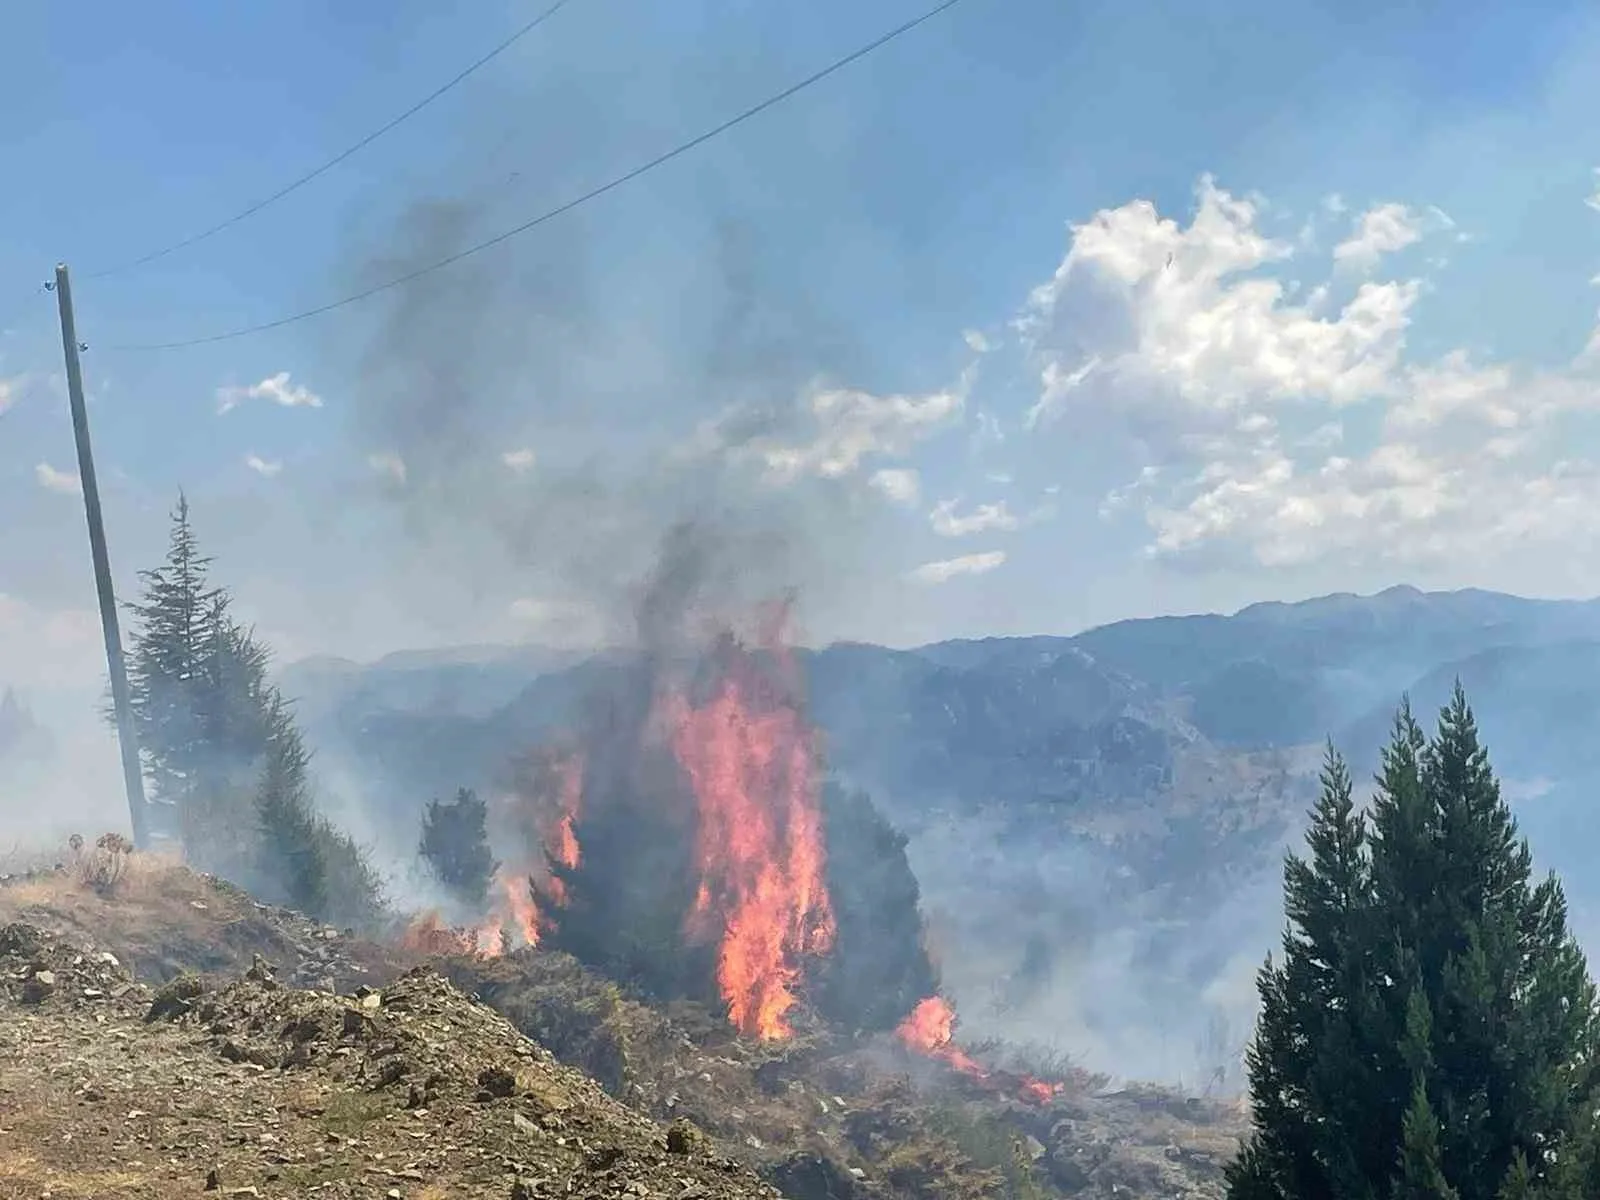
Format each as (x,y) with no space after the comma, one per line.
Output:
(1433,1031)
(455,845)
(172,630)
(291,851)
(221,747)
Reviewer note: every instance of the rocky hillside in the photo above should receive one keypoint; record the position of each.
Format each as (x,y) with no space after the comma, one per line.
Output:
(1096,821)
(258,1089)
(292,1060)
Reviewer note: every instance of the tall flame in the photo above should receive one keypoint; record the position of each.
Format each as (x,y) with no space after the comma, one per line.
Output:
(751,761)
(749,776)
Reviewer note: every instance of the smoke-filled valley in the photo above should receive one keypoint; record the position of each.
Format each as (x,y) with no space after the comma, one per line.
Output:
(1096,823)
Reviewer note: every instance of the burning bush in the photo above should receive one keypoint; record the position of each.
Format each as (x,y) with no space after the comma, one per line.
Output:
(685,845)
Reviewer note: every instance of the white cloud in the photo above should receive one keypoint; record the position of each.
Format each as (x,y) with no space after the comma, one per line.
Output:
(983,519)
(1594,200)
(388,463)
(1057,389)
(902,485)
(977,341)
(10,392)
(62,482)
(1280,428)
(1380,230)
(949,568)
(267,468)
(854,426)
(276,388)
(519,460)
(1189,321)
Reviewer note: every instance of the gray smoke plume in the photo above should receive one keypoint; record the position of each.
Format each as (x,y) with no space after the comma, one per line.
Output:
(533,441)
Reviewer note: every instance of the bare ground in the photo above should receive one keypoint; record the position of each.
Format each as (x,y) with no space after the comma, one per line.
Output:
(229,1085)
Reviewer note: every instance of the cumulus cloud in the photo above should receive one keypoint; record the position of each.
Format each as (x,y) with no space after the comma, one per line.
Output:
(265,467)
(1057,387)
(64,483)
(977,341)
(853,426)
(1237,388)
(10,392)
(1380,230)
(519,460)
(946,569)
(902,485)
(1162,317)
(276,388)
(985,518)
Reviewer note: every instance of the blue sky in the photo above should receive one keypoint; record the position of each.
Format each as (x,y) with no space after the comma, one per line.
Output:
(891,269)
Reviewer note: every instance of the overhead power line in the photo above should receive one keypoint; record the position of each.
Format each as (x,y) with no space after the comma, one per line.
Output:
(299,183)
(577,201)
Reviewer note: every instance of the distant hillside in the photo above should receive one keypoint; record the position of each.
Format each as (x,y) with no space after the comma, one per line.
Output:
(1098,820)
(469,680)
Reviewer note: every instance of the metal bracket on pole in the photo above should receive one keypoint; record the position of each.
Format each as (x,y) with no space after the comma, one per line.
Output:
(132,772)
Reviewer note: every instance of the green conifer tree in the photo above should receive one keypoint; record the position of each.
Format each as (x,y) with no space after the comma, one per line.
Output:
(221,748)
(291,851)
(455,845)
(1433,1031)
(172,630)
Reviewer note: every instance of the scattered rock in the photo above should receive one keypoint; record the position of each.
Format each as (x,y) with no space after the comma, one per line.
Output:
(176,999)
(808,1176)
(38,987)
(684,1138)
(603,1158)
(496,1083)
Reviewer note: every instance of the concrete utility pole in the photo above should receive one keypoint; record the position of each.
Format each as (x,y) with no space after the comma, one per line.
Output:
(132,772)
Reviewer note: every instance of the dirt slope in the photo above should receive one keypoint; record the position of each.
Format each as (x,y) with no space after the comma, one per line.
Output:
(823,1117)
(258,1089)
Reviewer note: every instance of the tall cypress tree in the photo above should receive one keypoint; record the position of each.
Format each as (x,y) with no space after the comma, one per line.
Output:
(1432,1033)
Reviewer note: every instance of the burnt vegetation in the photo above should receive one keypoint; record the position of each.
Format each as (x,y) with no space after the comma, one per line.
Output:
(625,906)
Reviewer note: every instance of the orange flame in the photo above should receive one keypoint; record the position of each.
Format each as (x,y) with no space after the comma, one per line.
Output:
(429,936)
(512,905)
(751,761)
(930,1031)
